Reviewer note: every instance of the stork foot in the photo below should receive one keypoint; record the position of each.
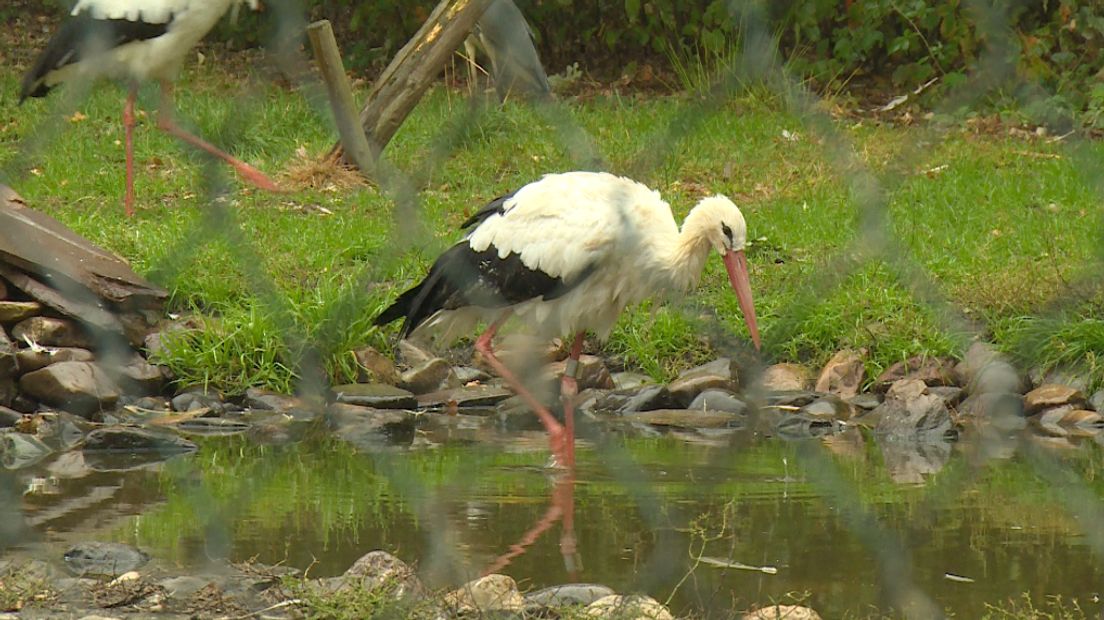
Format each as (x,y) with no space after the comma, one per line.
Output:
(557,444)
(256,178)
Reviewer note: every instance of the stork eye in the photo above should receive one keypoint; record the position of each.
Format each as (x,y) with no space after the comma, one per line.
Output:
(727,232)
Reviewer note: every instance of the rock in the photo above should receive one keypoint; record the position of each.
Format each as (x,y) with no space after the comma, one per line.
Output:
(521,352)
(487,594)
(9,394)
(1066,420)
(932,371)
(468,374)
(910,411)
(798,426)
(9,417)
(687,418)
(984,370)
(629,380)
(129,440)
(722,374)
(183,586)
(16,311)
(379,571)
(19,450)
(780,377)
(829,407)
(865,402)
(567,595)
(782,612)
(592,373)
(1062,376)
(631,607)
(9,360)
(367,427)
(951,395)
(103,559)
(412,355)
(718,400)
(426,376)
(51,332)
(268,400)
(31,359)
(474,396)
(59,430)
(138,376)
(1096,401)
(199,397)
(377,395)
(82,388)
(375,367)
(843,375)
(646,398)
(212,427)
(792,399)
(1052,395)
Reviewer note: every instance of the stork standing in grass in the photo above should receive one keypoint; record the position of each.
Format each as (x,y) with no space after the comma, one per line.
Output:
(567,254)
(136,41)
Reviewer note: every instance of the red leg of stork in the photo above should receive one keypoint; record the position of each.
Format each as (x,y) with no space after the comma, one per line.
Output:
(569,387)
(166,123)
(556,435)
(128,126)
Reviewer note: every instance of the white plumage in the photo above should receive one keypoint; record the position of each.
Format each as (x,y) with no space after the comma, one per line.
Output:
(135,41)
(567,254)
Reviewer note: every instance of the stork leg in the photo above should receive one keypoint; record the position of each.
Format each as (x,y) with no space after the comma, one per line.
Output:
(166,123)
(569,388)
(128,127)
(556,434)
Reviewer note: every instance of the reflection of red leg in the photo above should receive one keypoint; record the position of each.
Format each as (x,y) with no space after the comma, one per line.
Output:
(554,428)
(165,123)
(128,126)
(562,506)
(569,387)
(564,496)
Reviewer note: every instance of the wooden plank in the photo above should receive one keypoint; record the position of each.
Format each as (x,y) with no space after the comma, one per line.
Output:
(353,140)
(414,69)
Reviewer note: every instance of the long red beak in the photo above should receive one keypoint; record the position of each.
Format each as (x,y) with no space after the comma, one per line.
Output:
(736,264)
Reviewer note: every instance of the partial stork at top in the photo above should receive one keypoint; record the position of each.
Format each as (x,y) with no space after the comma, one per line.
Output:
(134,40)
(567,254)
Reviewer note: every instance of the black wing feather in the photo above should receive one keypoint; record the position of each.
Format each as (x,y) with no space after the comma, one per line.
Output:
(79,37)
(496,206)
(462,277)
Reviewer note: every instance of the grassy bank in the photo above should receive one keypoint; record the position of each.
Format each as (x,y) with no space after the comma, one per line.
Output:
(900,240)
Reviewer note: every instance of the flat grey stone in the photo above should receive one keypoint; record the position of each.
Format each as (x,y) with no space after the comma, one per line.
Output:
(106,559)
(686,418)
(474,396)
(376,395)
(128,439)
(718,400)
(567,595)
(630,380)
(722,373)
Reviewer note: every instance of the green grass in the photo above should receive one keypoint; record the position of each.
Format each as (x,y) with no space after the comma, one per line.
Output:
(1000,241)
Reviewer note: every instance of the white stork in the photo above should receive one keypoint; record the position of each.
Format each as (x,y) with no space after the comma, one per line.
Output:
(134,40)
(567,254)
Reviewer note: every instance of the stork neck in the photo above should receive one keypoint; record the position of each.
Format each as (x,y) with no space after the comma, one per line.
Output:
(687,258)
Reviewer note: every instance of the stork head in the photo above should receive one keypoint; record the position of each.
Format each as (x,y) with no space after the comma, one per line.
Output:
(717,220)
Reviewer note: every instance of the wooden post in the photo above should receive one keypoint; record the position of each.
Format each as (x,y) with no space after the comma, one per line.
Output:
(352,138)
(414,68)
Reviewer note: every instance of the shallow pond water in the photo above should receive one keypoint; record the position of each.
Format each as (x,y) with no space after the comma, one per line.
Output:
(847,524)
